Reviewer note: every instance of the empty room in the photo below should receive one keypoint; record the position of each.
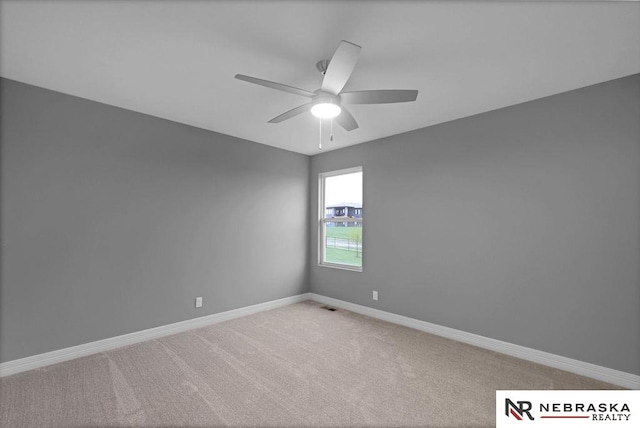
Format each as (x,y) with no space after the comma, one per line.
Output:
(319,213)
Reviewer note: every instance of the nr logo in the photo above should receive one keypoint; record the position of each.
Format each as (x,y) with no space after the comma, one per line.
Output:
(517,410)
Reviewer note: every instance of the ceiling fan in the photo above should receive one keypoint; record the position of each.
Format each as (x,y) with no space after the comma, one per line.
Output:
(327,102)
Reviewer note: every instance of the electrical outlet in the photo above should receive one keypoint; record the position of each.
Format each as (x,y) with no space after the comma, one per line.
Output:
(375,295)
(198,302)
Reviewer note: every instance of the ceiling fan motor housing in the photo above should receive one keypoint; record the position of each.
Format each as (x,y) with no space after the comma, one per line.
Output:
(325,98)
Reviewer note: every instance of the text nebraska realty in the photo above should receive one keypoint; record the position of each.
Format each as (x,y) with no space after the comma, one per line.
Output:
(599,411)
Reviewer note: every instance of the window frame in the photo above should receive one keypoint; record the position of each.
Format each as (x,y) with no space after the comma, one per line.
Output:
(322,220)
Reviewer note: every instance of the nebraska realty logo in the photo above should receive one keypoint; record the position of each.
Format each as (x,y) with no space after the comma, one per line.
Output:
(550,408)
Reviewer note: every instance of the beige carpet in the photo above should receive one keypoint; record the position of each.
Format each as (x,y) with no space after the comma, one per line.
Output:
(295,366)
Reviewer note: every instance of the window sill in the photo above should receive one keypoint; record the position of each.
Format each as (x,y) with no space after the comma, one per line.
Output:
(341,267)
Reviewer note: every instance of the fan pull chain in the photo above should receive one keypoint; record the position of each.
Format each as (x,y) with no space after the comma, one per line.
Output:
(331,138)
(320,141)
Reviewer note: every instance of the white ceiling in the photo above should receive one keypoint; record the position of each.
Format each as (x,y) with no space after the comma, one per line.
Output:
(177,59)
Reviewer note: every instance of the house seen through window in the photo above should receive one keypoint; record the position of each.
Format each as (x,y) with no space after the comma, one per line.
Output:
(341,219)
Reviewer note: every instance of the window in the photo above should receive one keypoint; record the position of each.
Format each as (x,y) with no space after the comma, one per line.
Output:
(340,222)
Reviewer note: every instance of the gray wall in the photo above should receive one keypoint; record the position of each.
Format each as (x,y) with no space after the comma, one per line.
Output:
(114,221)
(521,224)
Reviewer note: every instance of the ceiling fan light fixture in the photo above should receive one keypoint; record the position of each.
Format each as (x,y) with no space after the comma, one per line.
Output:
(326,110)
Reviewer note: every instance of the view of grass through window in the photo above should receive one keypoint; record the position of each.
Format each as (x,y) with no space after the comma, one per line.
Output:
(344,245)
(342,220)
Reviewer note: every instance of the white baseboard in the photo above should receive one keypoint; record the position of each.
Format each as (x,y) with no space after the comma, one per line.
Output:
(60,355)
(616,377)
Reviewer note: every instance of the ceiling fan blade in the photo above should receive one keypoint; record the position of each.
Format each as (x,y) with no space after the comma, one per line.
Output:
(347,121)
(274,85)
(384,96)
(291,113)
(340,67)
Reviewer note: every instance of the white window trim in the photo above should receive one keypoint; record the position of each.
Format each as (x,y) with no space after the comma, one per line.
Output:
(322,220)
